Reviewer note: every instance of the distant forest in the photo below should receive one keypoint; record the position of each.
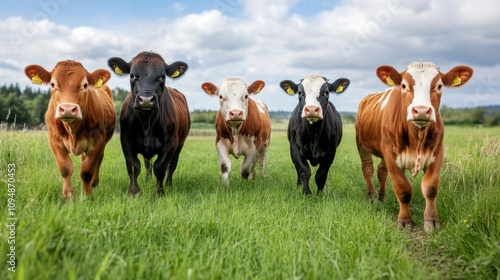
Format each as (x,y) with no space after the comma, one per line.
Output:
(26,108)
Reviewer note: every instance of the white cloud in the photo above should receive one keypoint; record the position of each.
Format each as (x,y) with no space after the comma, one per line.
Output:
(272,44)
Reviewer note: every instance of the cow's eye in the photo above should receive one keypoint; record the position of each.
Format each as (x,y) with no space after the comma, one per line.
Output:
(403,86)
(52,85)
(439,87)
(133,77)
(220,97)
(85,86)
(246,97)
(161,78)
(325,93)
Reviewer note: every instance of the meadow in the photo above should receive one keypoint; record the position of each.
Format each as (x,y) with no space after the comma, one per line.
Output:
(262,229)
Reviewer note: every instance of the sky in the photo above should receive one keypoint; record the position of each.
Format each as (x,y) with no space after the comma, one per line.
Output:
(262,40)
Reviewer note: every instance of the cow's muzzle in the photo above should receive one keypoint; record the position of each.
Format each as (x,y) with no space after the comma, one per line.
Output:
(68,112)
(312,113)
(235,117)
(421,115)
(146,102)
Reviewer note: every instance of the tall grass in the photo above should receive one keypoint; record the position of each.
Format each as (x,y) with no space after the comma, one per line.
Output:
(265,229)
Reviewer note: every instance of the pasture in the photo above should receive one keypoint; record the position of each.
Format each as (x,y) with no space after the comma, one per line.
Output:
(265,229)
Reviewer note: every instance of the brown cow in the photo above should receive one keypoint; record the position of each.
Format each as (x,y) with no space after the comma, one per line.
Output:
(242,124)
(80,118)
(403,127)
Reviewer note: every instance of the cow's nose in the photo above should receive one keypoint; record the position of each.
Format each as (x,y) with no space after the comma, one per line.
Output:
(68,111)
(235,114)
(311,111)
(146,101)
(422,112)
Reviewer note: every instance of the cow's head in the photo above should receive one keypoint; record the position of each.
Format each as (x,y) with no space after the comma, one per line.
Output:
(314,91)
(233,97)
(148,72)
(421,85)
(70,83)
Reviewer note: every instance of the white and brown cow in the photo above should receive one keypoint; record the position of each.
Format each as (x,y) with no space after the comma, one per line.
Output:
(242,124)
(403,127)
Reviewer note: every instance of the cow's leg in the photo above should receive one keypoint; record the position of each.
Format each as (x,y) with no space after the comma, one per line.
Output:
(382,178)
(263,151)
(172,165)
(160,170)
(322,173)
(95,178)
(367,169)
(90,166)
(430,186)
(133,170)
(247,168)
(131,160)
(303,170)
(403,190)
(147,165)
(225,162)
(65,167)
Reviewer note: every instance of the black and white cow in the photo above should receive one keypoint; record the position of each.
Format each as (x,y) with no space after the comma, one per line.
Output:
(315,127)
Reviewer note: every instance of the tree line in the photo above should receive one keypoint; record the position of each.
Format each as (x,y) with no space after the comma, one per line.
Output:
(26,108)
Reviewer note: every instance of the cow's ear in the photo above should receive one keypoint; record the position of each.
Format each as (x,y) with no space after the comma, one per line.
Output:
(289,87)
(256,87)
(119,66)
(457,76)
(339,86)
(176,69)
(209,88)
(99,77)
(388,75)
(37,74)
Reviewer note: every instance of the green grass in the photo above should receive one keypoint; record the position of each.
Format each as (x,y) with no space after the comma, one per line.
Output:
(263,229)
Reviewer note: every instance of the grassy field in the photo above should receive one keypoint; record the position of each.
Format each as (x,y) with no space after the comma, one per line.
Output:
(263,229)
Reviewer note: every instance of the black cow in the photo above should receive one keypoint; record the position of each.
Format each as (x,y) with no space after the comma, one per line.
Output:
(154,118)
(315,127)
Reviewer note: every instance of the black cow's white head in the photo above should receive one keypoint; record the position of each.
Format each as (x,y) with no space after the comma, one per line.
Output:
(148,72)
(314,91)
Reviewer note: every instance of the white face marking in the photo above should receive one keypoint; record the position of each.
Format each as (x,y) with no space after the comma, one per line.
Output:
(312,85)
(422,73)
(234,93)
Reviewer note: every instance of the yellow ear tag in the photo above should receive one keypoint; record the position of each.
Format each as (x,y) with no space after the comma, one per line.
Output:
(290,91)
(257,90)
(176,74)
(98,84)
(456,82)
(389,81)
(340,89)
(36,80)
(118,70)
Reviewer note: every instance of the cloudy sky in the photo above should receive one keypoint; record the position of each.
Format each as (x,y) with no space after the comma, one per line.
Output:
(267,40)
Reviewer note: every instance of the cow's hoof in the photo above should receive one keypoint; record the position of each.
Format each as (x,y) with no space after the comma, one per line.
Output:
(66,199)
(431,226)
(160,192)
(405,225)
(370,195)
(133,192)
